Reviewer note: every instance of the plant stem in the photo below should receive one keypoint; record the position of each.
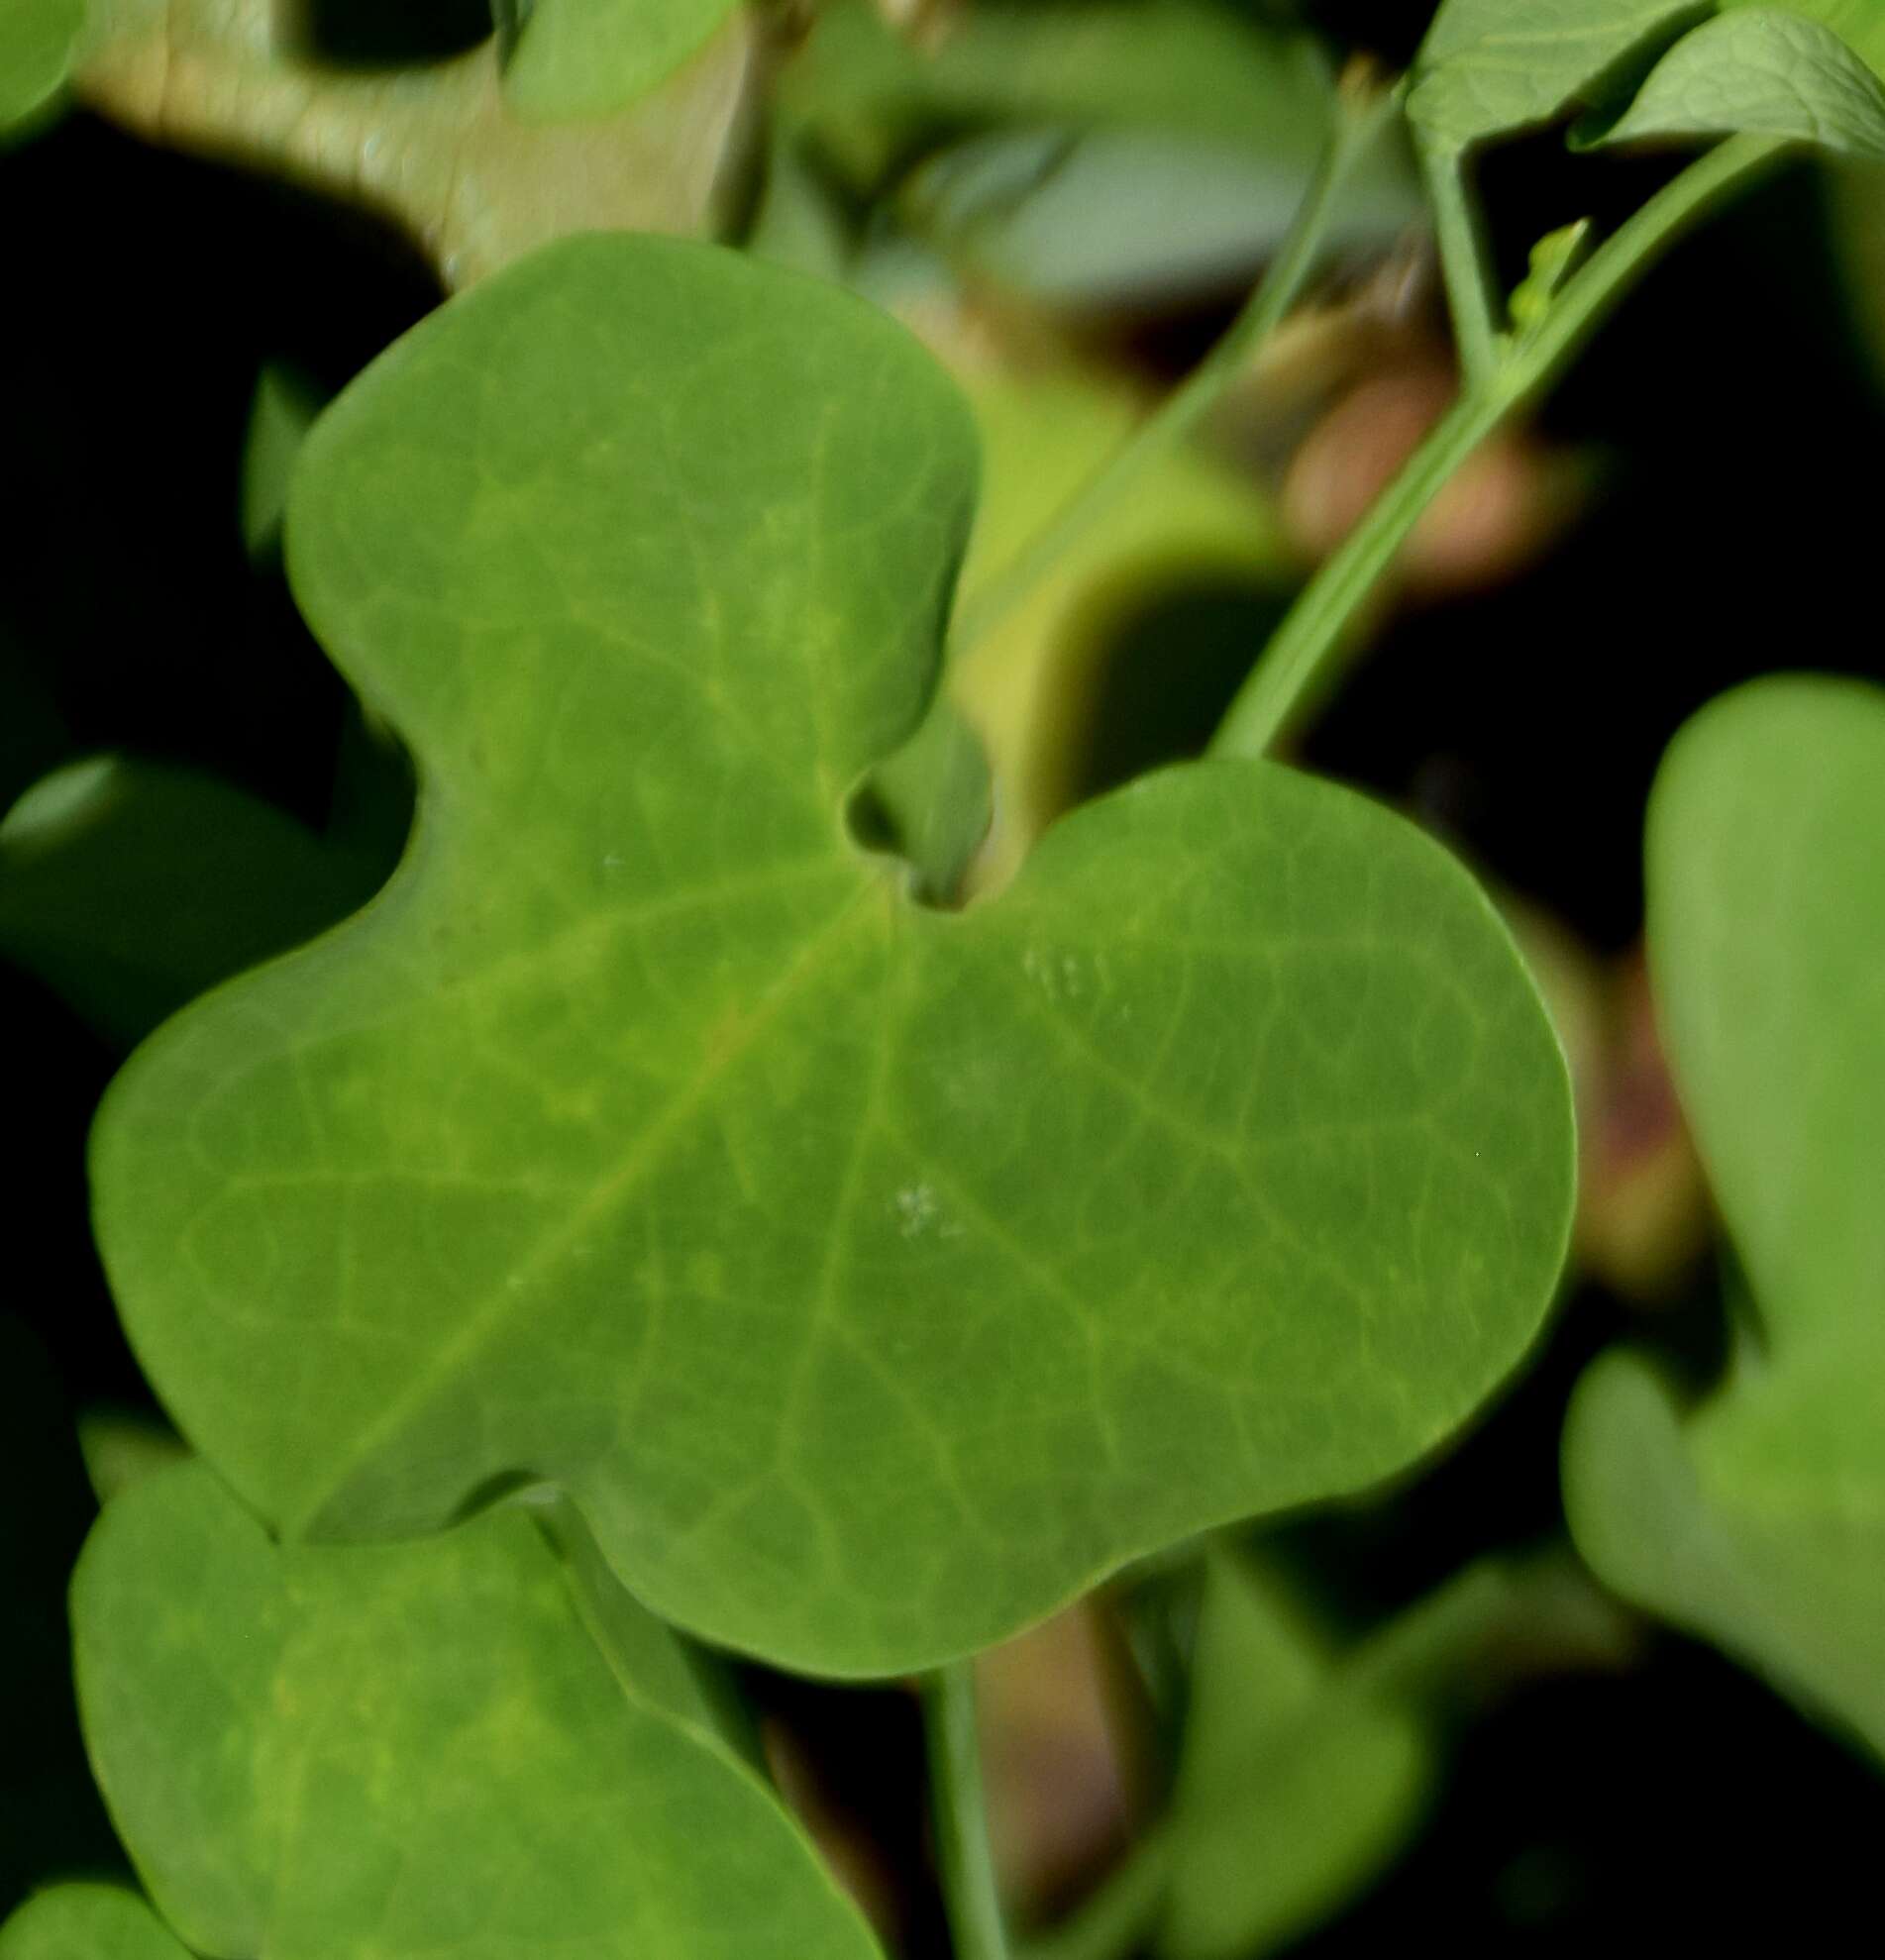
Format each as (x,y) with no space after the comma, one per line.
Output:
(1315,633)
(1357,126)
(960,1819)
(1464,262)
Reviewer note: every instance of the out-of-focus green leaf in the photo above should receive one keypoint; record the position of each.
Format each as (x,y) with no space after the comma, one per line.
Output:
(1758,1518)
(590,58)
(129,887)
(1151,64)
(1104,215)
(1295,1783)
(797,222)
(37,41)
(872,1278)
(1762,73)
(1082,154)
(1303,1769)
(865,95)
(404,1749)
(87,1922)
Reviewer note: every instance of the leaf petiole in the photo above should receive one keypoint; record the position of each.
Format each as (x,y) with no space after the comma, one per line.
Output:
(1361,115)
(1465,265)
(959,1811)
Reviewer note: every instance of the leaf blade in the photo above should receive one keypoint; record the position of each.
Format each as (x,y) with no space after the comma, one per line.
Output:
(1487,69)
(1754,1517)
(809,1238)
(87,1922)
(1764,72)
(420,1747)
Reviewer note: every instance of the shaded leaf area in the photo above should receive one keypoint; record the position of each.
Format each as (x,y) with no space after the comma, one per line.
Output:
(1757,1518)
(418,1748)
(131,620)
(87,1922)
(874,1278)
(51,1821)
(1075,154)
(129,887)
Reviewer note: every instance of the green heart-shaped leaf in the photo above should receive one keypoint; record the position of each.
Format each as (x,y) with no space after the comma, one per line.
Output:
(87,1922)
(416,1749)
(1760,1520)
(874,1278)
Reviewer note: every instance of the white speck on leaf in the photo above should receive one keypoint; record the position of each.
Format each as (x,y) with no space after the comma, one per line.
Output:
(916,1210)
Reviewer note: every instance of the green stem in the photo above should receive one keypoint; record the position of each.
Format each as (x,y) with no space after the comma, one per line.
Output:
(1317,629)
(1357,126)
(959,1815)
(1464,262)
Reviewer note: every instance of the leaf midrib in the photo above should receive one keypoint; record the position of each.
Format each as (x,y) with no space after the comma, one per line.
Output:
(492,1316)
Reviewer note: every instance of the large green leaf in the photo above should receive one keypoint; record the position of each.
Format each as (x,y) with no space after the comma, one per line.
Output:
(414,1749)
(873,1277)
(1759,1520)
(87,1922)
(1489,67)
(1764,72)
(590,58)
